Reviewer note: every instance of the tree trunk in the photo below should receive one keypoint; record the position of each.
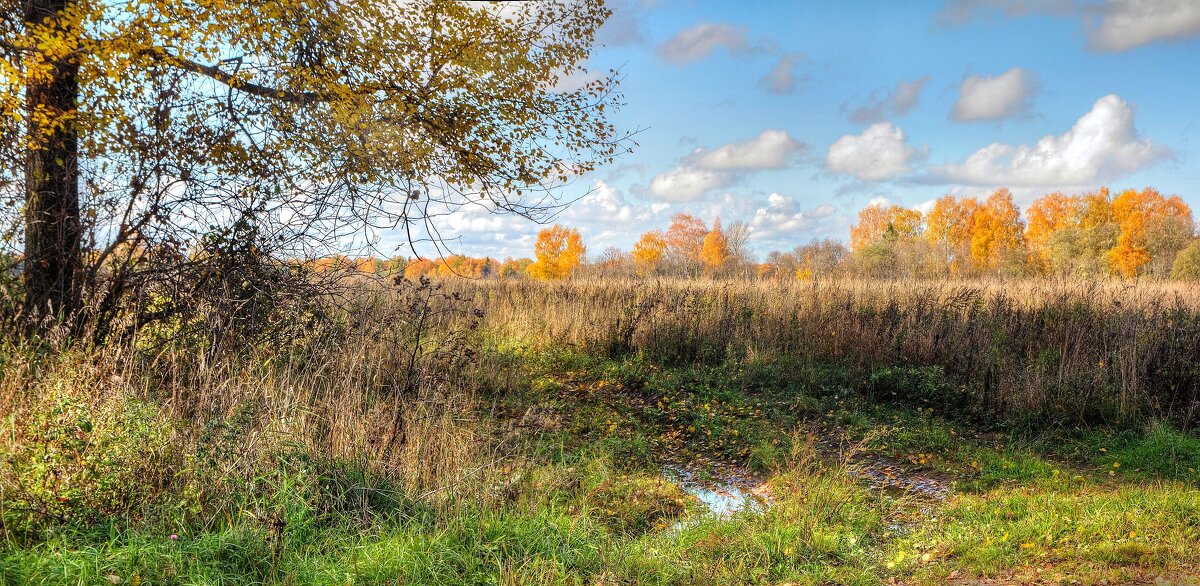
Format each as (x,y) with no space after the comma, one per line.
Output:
(52,227)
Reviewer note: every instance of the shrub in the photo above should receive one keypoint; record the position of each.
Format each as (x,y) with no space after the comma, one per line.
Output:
(75,462)
(1187,263)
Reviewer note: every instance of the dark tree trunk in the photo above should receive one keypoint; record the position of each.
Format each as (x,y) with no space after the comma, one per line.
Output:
(52,227)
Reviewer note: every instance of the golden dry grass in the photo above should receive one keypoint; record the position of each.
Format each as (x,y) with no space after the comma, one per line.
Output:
(1066,351)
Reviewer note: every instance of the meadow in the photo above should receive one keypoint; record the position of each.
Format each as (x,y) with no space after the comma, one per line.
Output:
(621,431)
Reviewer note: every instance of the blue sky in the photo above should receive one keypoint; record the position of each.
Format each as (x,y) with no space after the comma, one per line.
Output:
(793,115)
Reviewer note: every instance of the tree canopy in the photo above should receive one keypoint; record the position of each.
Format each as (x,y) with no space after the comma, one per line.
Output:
(133,129)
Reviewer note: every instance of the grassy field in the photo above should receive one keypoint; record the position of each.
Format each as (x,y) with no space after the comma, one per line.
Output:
(604,432)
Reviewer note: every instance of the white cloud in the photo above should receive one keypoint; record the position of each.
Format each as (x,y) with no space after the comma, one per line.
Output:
(897,101)
(1126,24)
(772,149)
(781,220)
(880,201)
(704,170)
(995,98)
(606,205)
(820,212)
(1102,145)
(960,12)
(1112,25)
(779,215)
(697,42)
(880,152)
(782,77)
(688,183)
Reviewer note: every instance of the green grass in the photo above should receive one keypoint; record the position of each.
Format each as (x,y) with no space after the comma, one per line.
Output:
(584,501)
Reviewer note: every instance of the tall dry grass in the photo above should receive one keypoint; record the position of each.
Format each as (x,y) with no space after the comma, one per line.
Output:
(393,385)
(389,389)
(1065,352)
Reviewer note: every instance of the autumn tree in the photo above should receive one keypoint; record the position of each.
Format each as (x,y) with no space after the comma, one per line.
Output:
(457,265)
(1081,246)
(714,250)
(877,222)
(515,267)
(1046,216)
(558,252)
(201,125)
(997,234)
(737,240)
(879,235)
(1151,226)
(818,258)
(419,268)
(685,240)
(613,262)
(648,252)
(949,227)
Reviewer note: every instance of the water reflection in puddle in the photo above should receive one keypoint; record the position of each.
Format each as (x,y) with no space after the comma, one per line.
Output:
(724,503)
(721,499)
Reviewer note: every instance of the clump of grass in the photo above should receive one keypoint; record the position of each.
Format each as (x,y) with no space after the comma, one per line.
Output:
(1076,527)
(1161,451)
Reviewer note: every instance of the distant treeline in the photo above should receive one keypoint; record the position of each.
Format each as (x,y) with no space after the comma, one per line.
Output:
(1134,233)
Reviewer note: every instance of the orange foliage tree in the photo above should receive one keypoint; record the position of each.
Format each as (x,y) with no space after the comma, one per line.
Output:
(949,226)
(558,252)
(648,252)
(714,250)
(876,222)
(1047,216)
(419,268)
(518,267)
(455,265)
(685,238)
(998,231)
(1144,216)
(1079,244)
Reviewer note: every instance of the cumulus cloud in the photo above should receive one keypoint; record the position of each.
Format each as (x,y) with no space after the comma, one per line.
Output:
(688,183)
(772,149)
(781,220)
(960,12)
(779,215)
(995,98)
(704,169)
(782,77)
(699,41)
(1102,145)
(881,152)
(896,101)
(1126,24)
(606,205)
(1112,25)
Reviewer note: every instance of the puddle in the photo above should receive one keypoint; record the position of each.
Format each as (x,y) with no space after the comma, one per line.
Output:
(724,503)
(882,472)
(722,497)
(887,476)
